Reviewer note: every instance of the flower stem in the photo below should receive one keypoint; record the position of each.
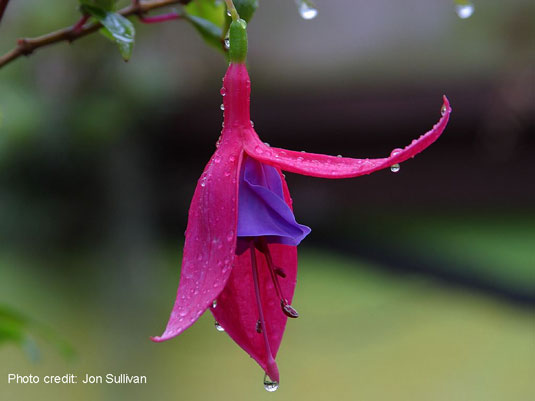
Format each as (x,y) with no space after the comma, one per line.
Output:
(233,12)
(160,18)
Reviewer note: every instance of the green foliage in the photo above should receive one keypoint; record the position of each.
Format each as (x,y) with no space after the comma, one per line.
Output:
(208,17)
(246,8)
(107,5)
(115,27)
(20,329)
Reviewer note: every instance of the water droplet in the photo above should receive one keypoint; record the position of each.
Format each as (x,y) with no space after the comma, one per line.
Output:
(223,91)
(258,326)
(222,107)
(252,123)
(259,150)
(395,168)
(395,152)
(443,109)
(228,13)
(218,327)
(464,9)
(307,9)
(227,43)
(267,144)
(339,156)
(270,385)
(214,303)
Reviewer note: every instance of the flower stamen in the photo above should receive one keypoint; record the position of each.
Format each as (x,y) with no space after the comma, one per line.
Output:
(271,365)
(287,309)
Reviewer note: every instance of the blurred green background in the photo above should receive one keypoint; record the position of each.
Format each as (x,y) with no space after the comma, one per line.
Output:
(418,285)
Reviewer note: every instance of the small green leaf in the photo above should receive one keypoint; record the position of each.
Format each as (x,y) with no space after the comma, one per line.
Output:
(107,5)
(209,10)
(208,17)
(210,32)
(246,8)
(116,28)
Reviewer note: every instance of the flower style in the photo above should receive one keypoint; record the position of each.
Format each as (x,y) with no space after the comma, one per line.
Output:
(240,254)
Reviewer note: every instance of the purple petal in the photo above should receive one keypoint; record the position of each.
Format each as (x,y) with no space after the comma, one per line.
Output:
(262,211)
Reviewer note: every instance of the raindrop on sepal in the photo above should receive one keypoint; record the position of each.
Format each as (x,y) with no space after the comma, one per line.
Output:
(270,385)
(395,167)
(464,8)
(306,9)
(227,43)
(218,327)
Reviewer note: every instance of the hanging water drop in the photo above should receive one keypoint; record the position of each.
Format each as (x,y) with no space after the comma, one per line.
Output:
(307,9)
(395,168)
(464,9)
(227,43)
(270,385)
(218,327)
(222,107)
(214,303)
(223,91)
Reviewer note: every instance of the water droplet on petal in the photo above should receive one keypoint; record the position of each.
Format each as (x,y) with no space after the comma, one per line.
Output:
(223,91)
(258,326)
(267,144)
(464,9)
(395,168)
(339,156)
(259,150)
(222,107)
(218,327)
(252,123)
(214,303)
(270,385)
(395,152)
(443,109)
(307,9)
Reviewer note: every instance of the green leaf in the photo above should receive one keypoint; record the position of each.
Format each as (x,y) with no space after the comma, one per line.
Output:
(107,5)
(209,10)
(116,28)
(209,31)
(246,8)
(208,17)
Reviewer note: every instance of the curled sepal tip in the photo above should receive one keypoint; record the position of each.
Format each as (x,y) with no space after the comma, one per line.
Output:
(238,41)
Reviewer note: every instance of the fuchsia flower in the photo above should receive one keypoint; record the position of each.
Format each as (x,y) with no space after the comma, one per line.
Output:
(240,254)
